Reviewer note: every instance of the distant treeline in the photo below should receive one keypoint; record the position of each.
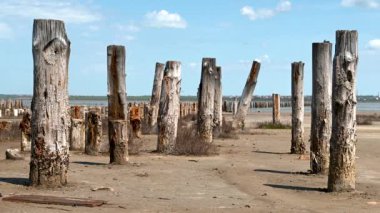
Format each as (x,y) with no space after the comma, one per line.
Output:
(361,98)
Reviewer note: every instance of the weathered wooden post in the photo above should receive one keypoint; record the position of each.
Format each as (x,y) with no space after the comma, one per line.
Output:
(343,137)
(246,96)
(320,131)
(77,134)
(50,118)
(169,108)
(235,105)
(206,99)
(93,132)
(77,129)
(117,105)
(218,102)
(276,108)
(298,145)
(25,128)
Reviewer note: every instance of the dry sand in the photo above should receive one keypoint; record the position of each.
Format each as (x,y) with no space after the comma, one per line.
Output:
(252,174)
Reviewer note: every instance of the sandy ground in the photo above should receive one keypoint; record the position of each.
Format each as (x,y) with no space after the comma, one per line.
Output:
(254,173)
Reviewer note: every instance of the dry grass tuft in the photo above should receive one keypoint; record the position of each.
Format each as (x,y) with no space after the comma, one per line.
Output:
(367,119)
(270,125)
(189,143)
(227,131)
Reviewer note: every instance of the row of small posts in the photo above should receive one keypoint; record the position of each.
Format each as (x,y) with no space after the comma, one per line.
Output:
(11,108)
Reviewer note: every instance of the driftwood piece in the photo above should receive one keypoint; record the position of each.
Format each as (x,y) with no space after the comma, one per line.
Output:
(53,200)
(117,105)
(50,104)
(246,96)
(343,137)
(206,99)
(320,131)
(13,154)
(297,145)
(169,108)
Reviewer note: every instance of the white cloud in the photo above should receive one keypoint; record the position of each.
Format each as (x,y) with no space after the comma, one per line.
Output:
(164,19)
(374,44)
(131,27)
(373,4)
(284,6)
(68,11)
(254,14)
(5,31)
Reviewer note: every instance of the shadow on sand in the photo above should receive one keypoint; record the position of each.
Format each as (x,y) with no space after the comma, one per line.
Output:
(272,153)
(15,181)
(298,188)
(89,163)
(282,172)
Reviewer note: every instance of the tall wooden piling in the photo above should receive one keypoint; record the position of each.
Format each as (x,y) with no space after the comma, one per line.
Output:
(117,105)
(218,102)
(276,108)
(93,132)
(169,108)
(343,137)
(298,145)
(50,118)
(156,94)
(320,131)
(246,96)
(206,99)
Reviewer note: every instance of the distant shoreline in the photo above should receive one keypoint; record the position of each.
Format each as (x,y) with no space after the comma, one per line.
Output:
(360,98)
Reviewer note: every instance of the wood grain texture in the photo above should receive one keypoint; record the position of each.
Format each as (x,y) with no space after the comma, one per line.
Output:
(320,131)
(206,99)
(343,137)
(117,105)
(246,96)
(169,108)
(156,94)
(50,107)
(297,143)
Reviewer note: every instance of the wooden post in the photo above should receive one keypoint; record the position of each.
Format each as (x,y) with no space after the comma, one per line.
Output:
(169,108)
(246,96)
(77,134)
(218,102)
(276,108)
(320,131)
(298,145)
(235,105)
(206,99)
(156,94)
(93,132)
(50,118)
(343,137)
(117,105)
(25,128)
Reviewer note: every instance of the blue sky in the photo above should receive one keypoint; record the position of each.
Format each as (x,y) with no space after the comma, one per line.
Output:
(235,32)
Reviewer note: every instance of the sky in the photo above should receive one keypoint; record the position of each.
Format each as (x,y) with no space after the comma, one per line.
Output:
(235,32)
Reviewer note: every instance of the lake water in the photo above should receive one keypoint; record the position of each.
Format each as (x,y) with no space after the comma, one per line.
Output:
(361,107)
